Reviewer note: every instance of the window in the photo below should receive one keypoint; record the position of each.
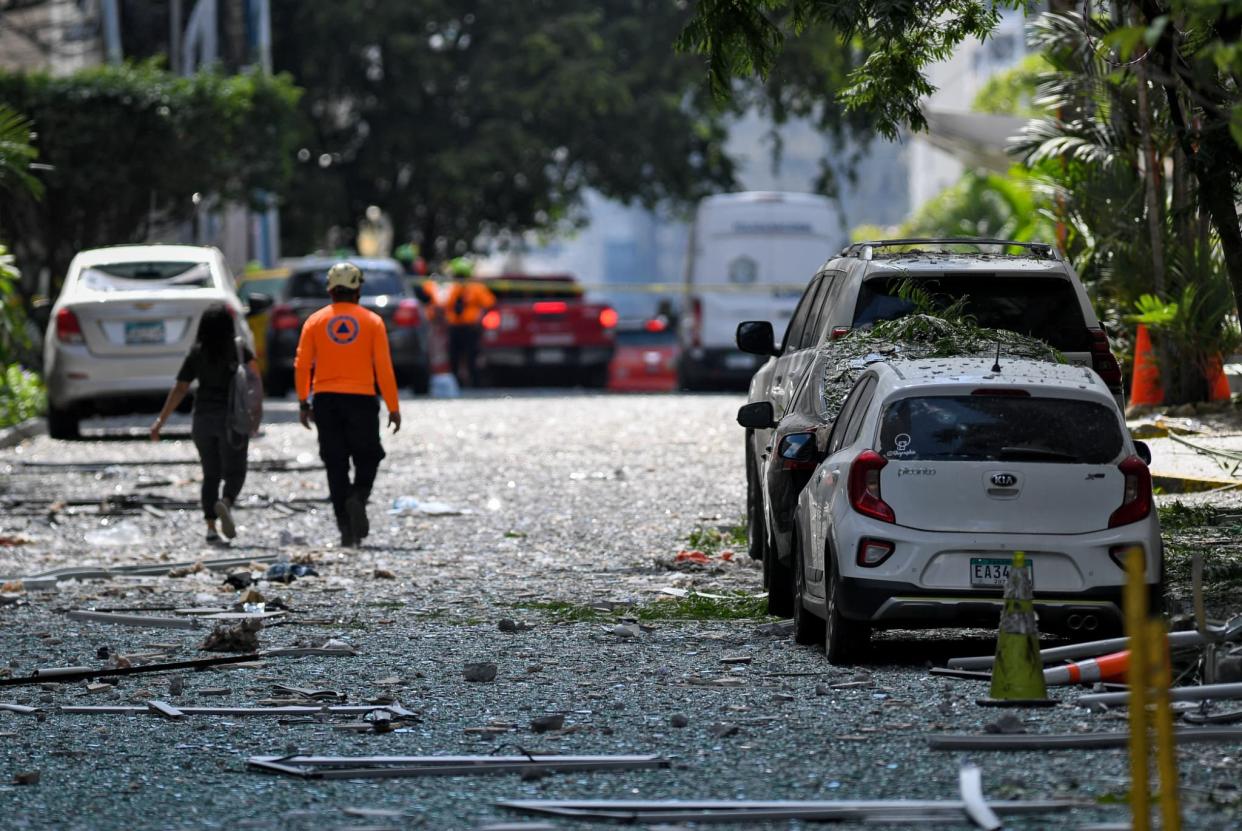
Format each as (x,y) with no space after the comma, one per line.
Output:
(1042,307)
(793,335)
(147,276)
(855,403)
(1000,428)
(827,299)
(374,283)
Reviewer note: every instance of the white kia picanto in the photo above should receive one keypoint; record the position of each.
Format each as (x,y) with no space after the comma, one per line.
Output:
(937,470)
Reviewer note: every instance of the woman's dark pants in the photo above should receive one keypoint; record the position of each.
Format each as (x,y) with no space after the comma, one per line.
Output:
(222,461)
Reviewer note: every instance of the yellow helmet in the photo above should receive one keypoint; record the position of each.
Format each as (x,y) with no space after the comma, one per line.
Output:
(344,276)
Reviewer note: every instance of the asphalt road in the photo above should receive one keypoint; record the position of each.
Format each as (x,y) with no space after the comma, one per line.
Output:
(556,503)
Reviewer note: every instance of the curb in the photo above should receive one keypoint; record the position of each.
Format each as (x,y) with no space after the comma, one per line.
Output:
(1172,484)
(31,427)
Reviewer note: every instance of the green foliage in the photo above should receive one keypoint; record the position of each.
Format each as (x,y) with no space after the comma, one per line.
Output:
(1178,515)
(711,540)
(980,204)
(1013,91)
(16,153)
(898,41)
(731,605)
(15,339)
(459,123)
(21,395)
(129,146)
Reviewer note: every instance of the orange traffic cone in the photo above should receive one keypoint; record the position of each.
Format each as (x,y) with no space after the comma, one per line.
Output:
(443,381)
(1145,385)
(1218,384)
(1104,668)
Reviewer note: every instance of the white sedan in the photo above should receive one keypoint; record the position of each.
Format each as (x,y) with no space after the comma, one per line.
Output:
(124,321)
(937,470)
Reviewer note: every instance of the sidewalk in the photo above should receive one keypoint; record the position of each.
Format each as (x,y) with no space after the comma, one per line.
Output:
(1177,467)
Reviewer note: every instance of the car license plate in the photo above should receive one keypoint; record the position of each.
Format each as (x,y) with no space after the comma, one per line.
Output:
(549,356)
(987,572)
(144,331)
(739,361)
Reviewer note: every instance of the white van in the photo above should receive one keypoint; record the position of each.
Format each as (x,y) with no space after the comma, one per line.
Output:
(750,257)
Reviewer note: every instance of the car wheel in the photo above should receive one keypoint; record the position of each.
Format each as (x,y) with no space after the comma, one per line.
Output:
(844,639)
(756,528)
(595,377)
(62,424)
(808,627)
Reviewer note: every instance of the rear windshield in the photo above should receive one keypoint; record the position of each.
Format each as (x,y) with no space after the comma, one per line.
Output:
(1041,307)
(526,288)
(1000,428)
(375,282)
(152,276)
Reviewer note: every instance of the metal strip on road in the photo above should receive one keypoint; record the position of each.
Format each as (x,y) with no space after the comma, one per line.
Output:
(386,767)
(1072,741)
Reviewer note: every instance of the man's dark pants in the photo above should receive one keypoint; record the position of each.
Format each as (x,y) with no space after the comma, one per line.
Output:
(464,346)
(348,427)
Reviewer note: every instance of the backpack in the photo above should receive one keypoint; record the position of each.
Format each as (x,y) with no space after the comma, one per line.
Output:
(244,411)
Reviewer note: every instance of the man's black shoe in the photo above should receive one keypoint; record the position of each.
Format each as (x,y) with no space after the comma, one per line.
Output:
(348,541)
(358,523)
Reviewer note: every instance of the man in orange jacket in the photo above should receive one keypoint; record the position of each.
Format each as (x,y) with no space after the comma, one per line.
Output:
(463,308)
(342,357)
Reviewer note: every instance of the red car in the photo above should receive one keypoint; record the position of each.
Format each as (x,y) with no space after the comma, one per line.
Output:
(542,331)
(646,357)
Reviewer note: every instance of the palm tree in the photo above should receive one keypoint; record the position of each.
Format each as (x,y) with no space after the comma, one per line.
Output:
(17,154)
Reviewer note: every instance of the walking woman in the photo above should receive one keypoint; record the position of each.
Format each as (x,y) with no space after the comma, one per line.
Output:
(213,361)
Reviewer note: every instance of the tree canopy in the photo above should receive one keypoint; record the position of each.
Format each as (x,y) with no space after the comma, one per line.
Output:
(458,122)
(127,147)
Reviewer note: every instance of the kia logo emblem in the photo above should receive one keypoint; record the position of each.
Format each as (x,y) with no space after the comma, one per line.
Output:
(1004,480)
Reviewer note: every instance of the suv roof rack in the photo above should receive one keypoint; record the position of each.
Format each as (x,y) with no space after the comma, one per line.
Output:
(866,250)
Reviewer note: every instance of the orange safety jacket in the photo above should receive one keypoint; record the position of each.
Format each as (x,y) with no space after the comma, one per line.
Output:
(344,348)
(466,302)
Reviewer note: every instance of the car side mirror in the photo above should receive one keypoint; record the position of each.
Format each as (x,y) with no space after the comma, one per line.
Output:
(1143,451)
(757,416)
(258,303)
(756,337)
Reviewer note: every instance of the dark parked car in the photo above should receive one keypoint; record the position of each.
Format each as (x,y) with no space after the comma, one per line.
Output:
(384,291)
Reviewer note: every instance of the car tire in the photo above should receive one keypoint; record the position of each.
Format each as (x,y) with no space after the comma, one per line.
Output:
(62,424)
(756,528)
(844,639)
(808,628)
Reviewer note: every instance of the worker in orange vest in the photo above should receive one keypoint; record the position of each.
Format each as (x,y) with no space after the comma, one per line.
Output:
(342,357)
(463,307)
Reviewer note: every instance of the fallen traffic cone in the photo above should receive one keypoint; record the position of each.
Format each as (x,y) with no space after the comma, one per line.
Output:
(1017,674)
(1145,386)
(443,381)
(1111,667)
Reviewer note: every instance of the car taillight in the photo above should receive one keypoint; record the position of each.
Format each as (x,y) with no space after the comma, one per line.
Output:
(864,487)
(1102,360)
(407,313)
(839,332)
(797,451)
(284,318)
(608,317)
(1136,497)
(550,307)
(656,324)
(491,320)
(68,329)
(873,552)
